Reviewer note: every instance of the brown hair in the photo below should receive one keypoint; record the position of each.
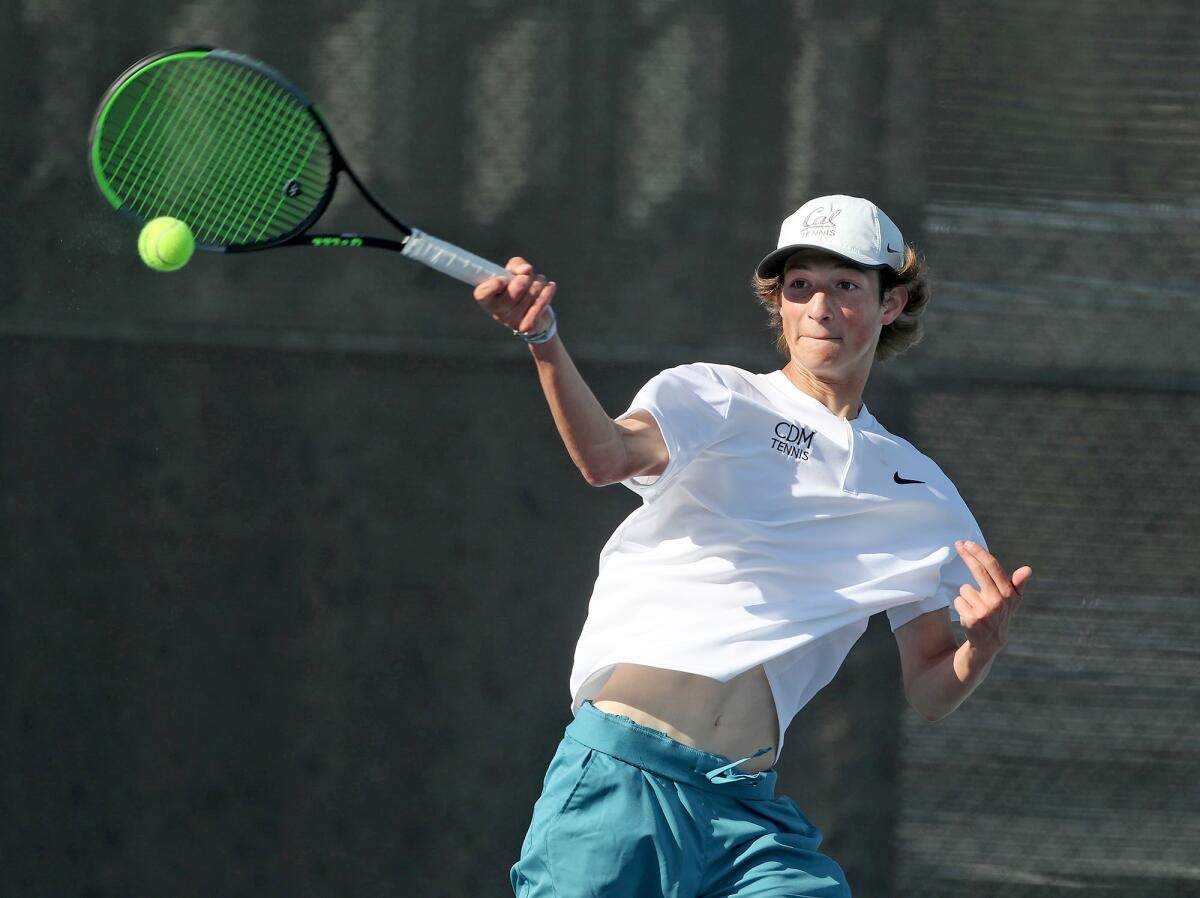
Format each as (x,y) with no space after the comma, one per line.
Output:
(897,337)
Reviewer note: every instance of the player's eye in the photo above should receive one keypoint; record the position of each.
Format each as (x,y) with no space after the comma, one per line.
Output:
(797,283)
(847,286)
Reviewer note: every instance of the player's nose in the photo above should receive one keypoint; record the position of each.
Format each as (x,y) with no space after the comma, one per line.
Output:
(818,305)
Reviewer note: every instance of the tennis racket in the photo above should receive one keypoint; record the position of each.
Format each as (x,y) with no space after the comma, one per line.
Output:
(234,149)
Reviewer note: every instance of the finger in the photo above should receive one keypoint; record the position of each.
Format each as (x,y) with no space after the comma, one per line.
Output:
(528,298)
(491,287)
(536,286)
(544,298)
(502,303)
(510,296)
(519,286)
(517,265)
(514,312)
(988,561)
(973,598)
(968,613)
(1021,576)
(993,574)
(972,563)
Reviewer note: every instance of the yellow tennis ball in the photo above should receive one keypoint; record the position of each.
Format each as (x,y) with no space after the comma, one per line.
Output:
(166,244)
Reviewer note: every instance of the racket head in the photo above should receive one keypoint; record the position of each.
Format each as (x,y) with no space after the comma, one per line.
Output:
(218,140)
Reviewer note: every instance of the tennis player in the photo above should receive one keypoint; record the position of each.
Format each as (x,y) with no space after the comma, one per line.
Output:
(777,516)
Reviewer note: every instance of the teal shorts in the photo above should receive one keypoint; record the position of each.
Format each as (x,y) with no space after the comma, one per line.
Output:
(627,811)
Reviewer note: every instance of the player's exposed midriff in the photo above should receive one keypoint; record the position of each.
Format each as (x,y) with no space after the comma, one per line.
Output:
(733,719)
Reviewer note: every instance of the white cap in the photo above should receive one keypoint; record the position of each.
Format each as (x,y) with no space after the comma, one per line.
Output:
(845,226)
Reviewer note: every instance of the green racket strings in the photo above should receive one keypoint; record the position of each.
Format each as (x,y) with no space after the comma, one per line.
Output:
(216,144)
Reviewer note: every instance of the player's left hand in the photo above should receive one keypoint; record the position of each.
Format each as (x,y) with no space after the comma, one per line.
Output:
(986,612)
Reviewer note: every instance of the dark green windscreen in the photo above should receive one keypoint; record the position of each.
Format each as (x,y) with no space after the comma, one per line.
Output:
(214,143)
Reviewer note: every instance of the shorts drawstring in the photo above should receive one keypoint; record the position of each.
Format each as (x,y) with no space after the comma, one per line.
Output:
(719,776)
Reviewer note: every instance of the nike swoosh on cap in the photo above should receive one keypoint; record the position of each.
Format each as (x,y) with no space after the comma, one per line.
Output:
(896,477)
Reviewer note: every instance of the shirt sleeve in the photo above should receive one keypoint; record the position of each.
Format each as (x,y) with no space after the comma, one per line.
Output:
(954,573)
(691,405)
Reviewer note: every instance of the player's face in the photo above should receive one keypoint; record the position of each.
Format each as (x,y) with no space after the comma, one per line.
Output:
(832,315)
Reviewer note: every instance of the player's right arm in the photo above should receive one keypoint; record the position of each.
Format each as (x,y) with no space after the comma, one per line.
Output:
(604,450)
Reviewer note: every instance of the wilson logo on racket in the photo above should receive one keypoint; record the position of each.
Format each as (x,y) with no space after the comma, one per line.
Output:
(337,241)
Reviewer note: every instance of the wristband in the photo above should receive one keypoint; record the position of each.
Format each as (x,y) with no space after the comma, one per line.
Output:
(543,336)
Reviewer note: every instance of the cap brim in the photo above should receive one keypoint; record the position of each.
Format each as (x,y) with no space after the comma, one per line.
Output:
(772,264)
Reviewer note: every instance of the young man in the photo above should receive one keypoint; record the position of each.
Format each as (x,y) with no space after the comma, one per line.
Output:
(777,516)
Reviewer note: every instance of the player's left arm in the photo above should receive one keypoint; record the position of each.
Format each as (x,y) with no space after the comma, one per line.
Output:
(939,673)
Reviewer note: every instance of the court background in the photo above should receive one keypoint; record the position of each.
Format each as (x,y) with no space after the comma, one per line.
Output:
(292,563)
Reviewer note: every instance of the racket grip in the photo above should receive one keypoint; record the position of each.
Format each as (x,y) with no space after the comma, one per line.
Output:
(450,259)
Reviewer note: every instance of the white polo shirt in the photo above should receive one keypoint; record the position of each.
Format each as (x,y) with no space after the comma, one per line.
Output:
(775,531)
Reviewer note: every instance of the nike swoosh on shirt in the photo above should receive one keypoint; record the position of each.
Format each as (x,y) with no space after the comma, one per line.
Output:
(896,477)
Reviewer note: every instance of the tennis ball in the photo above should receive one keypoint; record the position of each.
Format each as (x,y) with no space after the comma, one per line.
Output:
(166,244)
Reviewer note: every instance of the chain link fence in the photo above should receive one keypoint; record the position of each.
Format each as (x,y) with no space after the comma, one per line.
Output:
(1042,155)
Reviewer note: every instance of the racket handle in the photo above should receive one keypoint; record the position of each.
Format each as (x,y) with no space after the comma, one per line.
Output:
(450,259)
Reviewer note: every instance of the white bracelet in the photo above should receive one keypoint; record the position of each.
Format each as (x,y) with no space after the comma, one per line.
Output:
(544,336)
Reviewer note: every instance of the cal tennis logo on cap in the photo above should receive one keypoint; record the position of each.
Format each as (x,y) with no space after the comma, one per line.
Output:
(846,226)
(819,223)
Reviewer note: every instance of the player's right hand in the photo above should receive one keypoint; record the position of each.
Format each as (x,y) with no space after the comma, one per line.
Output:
(520,302)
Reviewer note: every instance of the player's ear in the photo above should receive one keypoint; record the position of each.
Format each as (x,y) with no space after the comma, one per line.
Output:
(894,302)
